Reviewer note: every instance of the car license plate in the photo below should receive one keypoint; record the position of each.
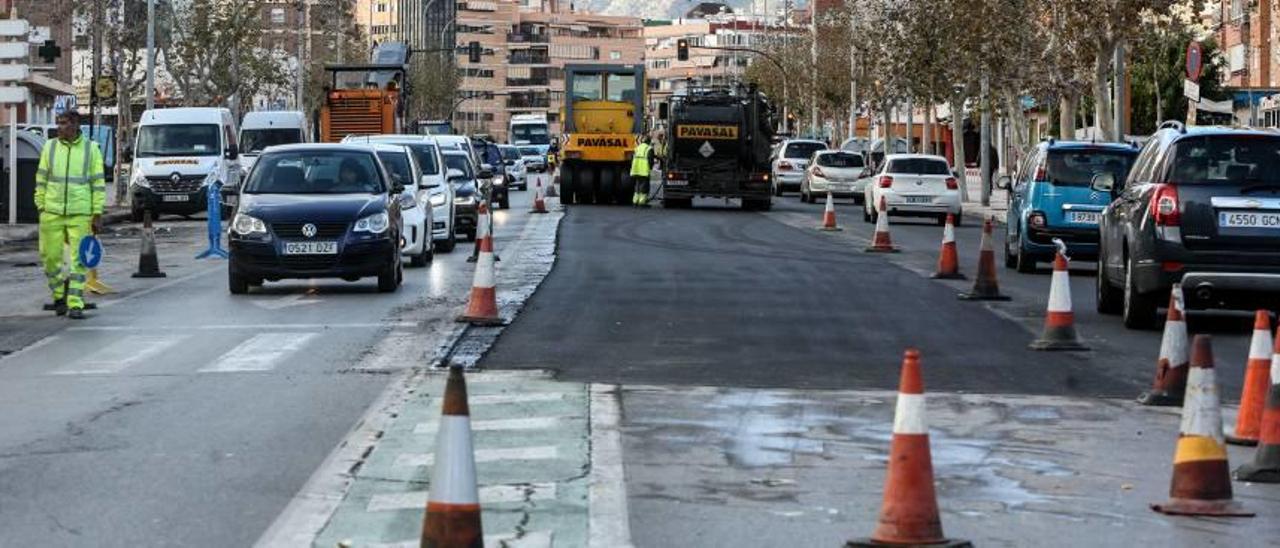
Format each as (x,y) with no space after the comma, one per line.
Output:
(1084,217)
(919,199)
(1248,219)
(311,248)
(175,198)
(677,182)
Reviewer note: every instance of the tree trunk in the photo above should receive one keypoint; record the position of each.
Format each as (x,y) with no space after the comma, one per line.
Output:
(984,144)
(1067,117)
(1102,92)
(911,130)
(957,144)
(926,126)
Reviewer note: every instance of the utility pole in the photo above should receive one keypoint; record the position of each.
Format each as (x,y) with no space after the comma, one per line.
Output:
(95,119)
(984,145)
(911,118)
(303,32)
(853,91)
(151,54)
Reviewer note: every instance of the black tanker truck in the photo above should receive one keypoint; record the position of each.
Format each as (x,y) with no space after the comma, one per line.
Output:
(719,141)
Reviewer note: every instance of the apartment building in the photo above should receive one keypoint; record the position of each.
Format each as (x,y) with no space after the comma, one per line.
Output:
(50,20)
(526,45)
(380,19)
(1246,31)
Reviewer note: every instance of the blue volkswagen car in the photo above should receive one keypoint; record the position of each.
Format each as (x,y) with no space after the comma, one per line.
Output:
(1050,198)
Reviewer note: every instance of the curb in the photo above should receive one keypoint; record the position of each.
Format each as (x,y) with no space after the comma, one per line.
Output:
(26,232)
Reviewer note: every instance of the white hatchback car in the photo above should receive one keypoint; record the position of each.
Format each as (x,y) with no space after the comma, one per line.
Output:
(415,207)
(439,195)
(913,185)
(789,161)
(842,173)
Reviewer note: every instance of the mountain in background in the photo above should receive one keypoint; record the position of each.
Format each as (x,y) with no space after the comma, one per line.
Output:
(670,9)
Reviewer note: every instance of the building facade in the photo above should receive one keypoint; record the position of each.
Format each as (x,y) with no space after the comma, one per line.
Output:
(50,20)
(526,45)
(425,24)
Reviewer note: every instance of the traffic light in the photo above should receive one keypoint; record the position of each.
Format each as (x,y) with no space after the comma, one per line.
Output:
(682,49)
(473,52)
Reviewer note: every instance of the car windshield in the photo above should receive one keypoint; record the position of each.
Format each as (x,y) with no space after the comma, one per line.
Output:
(460,163)
(530,151)
(803,151)
(840,159)
(533,133)
(510,153)
(1226,159)
(426,156)
(316,172)
(397,164)
(178,140)
(1077,167)
(918,166)
(254,140)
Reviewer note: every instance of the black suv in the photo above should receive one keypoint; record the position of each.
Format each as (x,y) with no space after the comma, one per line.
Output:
(1200,206)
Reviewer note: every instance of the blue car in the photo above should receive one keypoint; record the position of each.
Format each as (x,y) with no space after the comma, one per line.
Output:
(1050,198)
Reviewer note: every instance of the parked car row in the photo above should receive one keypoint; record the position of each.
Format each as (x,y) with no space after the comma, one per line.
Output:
(1198,206)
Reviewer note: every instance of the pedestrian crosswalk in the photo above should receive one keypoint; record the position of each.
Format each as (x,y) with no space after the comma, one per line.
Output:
(191,351)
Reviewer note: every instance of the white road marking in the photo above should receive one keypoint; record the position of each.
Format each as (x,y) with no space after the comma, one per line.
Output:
(524,397)
(531,539)
(260,353)
(287,301)
(250,326)
(543,452)
(118,355)
(493,494)
(31,347)
(530,423)
(608,525)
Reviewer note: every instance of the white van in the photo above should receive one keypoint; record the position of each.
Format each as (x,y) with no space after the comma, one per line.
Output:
(266,128)
(178,153)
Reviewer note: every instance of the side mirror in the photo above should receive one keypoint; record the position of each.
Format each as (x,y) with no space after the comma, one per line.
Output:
(1103,182)
(232,152)
(397,187)
(455,174)
(428,182)
(1004,182)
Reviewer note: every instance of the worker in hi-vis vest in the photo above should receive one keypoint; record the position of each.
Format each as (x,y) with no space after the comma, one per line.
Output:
(641,160)
(71,189)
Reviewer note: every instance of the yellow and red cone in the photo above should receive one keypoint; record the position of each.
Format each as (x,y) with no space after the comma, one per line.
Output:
(539,203)
(881,242)
(1265,467)
(1059,321)
(829,215)
(1201,483)
(1256,383)
(1171,368)
(453,504)
(949,258)
(985,286)
(482,308)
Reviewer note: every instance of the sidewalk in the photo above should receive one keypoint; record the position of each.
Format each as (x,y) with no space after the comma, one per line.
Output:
(973,207)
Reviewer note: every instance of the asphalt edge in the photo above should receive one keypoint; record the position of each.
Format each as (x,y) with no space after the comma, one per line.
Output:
(608,520)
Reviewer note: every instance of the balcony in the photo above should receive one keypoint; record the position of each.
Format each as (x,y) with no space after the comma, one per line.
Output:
(527,38)
(524,101)
(526,82)
(529,58)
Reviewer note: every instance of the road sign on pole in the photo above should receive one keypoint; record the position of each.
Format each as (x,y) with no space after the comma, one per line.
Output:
(1194,61)
(1191,90)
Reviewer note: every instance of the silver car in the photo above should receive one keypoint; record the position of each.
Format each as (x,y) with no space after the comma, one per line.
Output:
(789,162)
(841,173)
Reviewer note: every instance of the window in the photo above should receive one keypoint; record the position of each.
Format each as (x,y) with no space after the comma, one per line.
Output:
(1077,168)
(840,160)
(621,87)
(178,140)
(1235,58)
(1225,159)
(615,55)
(397,164)
(803,150)
(382,7)
(257,139)
(277,16)
(918,166)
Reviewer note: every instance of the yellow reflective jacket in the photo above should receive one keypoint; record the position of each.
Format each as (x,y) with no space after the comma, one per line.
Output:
(71,179)
(640,161)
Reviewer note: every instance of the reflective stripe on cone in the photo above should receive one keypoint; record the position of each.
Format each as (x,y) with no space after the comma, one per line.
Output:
(882,242)
(949,258)
(1059,321)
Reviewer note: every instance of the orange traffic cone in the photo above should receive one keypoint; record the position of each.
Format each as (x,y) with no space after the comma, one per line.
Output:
(1265,467)
(882,243)
(482,309)
(1201,483)
(985,286)
(1171,368)
(1059,321)
(909,514)
(1254,393)
(453,504)
(948,258)
(539,203)
(829,215)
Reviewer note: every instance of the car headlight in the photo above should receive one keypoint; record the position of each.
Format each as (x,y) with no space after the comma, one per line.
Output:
(465,200)
(374,224)
(407,202)
(246,225)
(138,179)
(438,200)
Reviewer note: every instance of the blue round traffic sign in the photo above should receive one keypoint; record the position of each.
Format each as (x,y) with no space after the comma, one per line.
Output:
(90,252)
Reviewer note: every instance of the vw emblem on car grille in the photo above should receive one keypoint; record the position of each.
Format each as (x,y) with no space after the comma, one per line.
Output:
(309,230)
(176,177)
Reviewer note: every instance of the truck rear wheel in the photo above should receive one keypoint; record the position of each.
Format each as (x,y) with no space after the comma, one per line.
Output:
(588,182)
(568,180)
(608,185)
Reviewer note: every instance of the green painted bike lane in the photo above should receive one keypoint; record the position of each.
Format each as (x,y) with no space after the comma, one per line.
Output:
(531,438)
